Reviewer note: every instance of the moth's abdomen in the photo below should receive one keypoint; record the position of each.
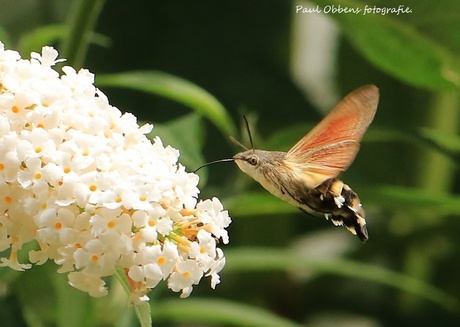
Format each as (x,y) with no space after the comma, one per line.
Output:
(340,204)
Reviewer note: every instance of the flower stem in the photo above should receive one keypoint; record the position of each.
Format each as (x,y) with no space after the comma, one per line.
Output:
(142,309)
(81,22)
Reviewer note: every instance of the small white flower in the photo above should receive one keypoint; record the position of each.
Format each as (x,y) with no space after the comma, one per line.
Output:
(216,267)
(212,213)
(48,57)
(109,224)
(35,144)
(94,285)
(204,251)
(187,273)
(56,225)
(154,263)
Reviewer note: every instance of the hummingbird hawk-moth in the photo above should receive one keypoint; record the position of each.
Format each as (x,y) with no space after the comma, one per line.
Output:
(307,175)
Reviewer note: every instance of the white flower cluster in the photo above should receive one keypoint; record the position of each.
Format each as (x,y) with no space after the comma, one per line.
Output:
(84,183)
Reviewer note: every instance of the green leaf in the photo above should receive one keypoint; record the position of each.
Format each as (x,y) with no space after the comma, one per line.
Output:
(442,140)
(50,34)
(176,89)
(5,37)
(406,198)
(399,46)
(269,259)
(257,203)
(217,312)
(41,36)
(186,135)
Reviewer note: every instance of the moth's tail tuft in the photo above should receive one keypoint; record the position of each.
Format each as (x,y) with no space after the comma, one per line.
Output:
(342,206)
(356,225)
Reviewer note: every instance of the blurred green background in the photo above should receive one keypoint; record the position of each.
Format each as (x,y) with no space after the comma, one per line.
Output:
(193,69)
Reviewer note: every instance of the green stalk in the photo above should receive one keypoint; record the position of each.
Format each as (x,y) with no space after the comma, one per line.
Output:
(434,174)
(81,23)
(436,170)
(142,309)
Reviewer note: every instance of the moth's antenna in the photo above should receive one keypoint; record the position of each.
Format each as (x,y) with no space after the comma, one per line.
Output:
(213,162)
(235,141)
(249,132)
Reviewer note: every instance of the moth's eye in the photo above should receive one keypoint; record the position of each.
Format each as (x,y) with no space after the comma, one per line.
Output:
(253,161)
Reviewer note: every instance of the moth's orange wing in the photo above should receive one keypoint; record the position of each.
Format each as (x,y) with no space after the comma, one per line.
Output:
(331,146)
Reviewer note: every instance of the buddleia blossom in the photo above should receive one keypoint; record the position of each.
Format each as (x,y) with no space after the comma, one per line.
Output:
(80,180)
